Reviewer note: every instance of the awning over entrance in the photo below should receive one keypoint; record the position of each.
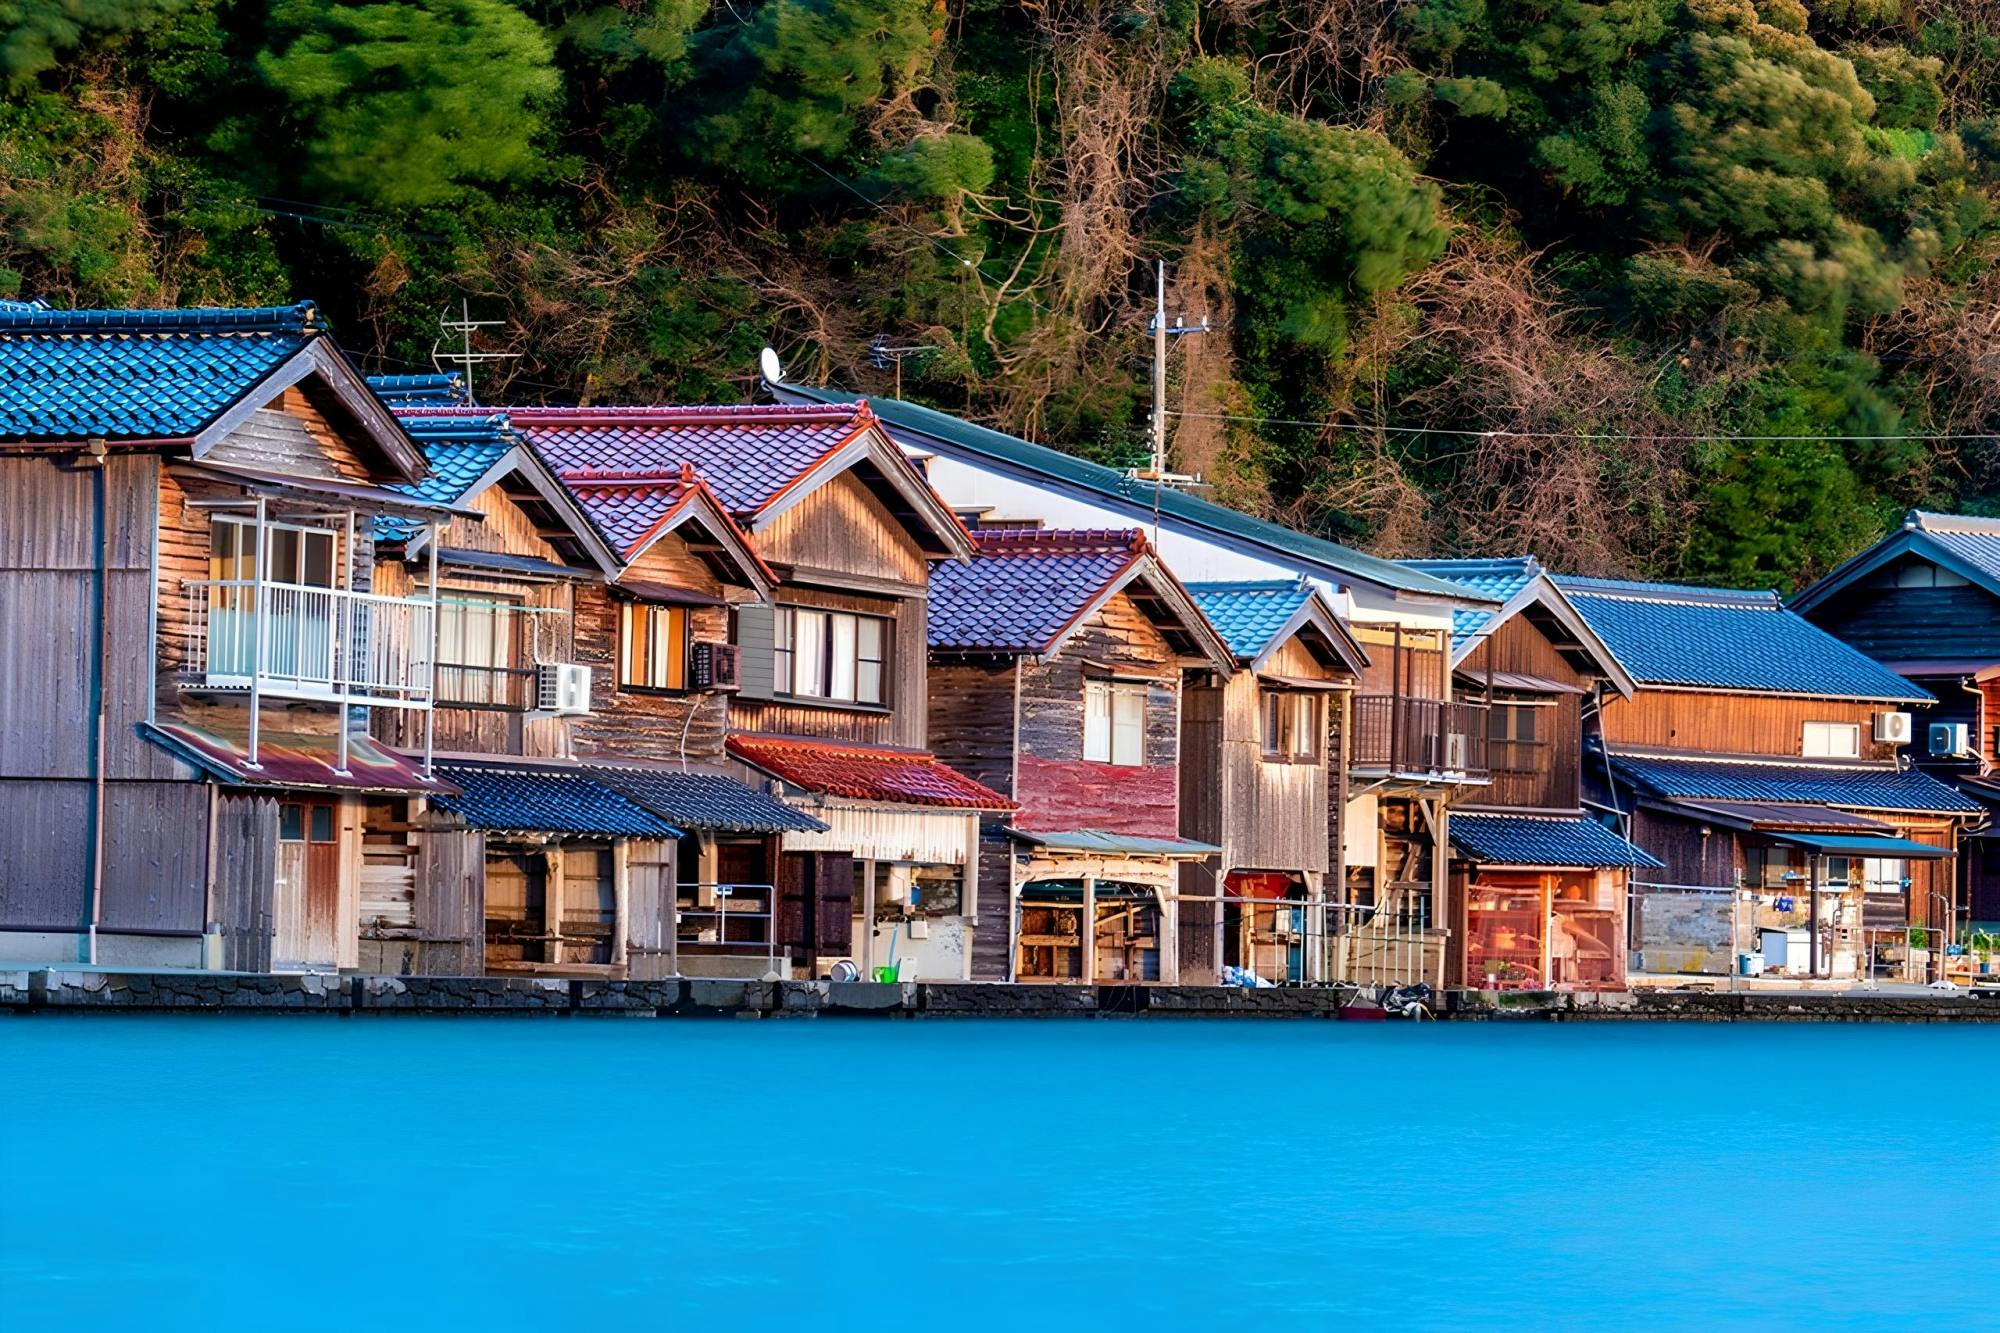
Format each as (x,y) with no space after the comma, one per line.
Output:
(1845,844)
(293,761)
(518,798)
(704,800)
(1540,840)
(1098,842)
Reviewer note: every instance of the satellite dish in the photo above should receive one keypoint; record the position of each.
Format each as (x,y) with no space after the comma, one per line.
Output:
(770,367)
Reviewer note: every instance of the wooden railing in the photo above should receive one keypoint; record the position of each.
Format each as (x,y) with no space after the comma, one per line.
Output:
(1426,737)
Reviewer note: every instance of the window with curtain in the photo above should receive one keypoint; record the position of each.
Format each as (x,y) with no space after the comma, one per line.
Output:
(839,656)
(1114,722)
(655,655)
(1515,732)
(475,647)
(1291,726)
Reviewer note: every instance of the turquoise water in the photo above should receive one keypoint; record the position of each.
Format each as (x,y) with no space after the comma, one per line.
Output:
(206,1172)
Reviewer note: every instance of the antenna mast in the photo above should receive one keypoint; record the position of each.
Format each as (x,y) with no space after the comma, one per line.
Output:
(1156,472)
(464,357)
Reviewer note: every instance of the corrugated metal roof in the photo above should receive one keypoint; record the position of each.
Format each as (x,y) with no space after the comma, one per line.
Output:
(137,374)
(1719,638)
(1537,840)
(865,773)
(1023,588)
(1137,496)
(1250,613)
(1905,790)
(527,799)
(705,800)
(292,760)
(1101,842)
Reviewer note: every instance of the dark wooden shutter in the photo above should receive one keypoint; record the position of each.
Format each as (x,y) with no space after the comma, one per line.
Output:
(835,875)
(795,889)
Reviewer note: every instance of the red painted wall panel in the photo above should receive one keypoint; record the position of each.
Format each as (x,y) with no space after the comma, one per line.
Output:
(1058,794)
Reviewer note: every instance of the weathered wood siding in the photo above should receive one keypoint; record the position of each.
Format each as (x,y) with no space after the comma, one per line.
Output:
(292,436)
(450,897)
(903,721)
(644,724)
(1733,723)
(246,855)
(1555,782)
(842,527)
(1273,814)
(1059,789)
(649,908)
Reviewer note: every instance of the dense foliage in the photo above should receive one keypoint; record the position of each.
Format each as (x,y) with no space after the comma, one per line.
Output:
(1680,287)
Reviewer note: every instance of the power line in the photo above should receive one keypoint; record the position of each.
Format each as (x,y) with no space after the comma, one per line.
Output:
(1598,436)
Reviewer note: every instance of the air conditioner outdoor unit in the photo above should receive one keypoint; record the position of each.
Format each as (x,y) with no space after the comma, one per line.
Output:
(717,666)
(1951,740)
(1893,728)
(562,688)
(1456,748)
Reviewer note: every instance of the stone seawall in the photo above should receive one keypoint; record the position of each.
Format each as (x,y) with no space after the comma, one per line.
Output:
(69,990)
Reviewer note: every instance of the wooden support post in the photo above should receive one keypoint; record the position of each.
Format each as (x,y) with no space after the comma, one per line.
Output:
(868,920)
(552,903)
(968,896)
(1088,935)
(1812,912)
(621,899)
(260,591)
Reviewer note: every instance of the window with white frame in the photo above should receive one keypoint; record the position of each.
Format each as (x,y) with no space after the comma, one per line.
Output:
(834,655)
(1832,740)
(1114,722)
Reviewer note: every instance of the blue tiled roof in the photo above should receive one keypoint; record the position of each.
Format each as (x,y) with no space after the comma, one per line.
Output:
(137,374)
(545,800)
(1022,589)
(705,801)
(1248,614)
(460,450)
(1535,840)
(1717,638)
(1135,497)
(1892,789)
(1499,579)
(421,390)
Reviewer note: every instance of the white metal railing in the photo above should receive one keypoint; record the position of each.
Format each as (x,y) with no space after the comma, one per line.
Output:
(297,641)
(726,920)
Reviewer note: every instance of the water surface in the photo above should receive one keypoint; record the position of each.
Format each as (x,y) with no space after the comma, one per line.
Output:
(338,1174)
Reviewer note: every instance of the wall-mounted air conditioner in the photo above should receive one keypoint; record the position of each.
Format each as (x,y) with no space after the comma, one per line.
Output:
(562,688)
(1457,748)
(1951,740)
(1893,728)
(717,666)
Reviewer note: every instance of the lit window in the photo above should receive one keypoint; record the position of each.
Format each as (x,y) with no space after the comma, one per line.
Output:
(829,655)
(1832,740)
(656,647)
(1114,723)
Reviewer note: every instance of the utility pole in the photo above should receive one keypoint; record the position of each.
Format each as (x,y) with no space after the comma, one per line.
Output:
(1156,471)
(465,357)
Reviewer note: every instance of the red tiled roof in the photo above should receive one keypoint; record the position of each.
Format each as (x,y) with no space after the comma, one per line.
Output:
(749,455)
(865,773)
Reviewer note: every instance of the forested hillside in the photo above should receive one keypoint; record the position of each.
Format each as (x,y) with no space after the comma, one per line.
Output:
(1578,242)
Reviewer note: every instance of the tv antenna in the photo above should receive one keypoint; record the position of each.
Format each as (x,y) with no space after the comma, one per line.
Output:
(465,358)
(884,351)
(1157,472)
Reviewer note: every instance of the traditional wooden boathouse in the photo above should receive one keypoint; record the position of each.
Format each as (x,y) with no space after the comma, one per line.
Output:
(1414,748)
(1925,602)
(1540,886)
(1264,777)
(191,637)
(585,743)
(829,706)
(1056,680)
(1760,760)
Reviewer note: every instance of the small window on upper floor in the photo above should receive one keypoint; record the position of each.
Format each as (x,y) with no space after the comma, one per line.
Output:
(1114,722)
(654,653)
(1832,740)
(1291,726)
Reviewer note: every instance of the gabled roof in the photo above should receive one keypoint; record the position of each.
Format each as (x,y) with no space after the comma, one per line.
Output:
(759,460)
(467,455)
(1675,636)
(1965,545)
(634,513)
(1755,779)
(1544,840)
(1027,590)
(172,377)
(864,772)
(1523,586)
(1256,617)
(932,431)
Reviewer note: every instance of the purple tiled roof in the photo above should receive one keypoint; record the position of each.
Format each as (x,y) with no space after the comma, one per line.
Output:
(1023,588)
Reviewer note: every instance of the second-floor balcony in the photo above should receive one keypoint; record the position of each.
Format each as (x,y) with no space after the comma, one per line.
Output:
(1433,740)
(299,641)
